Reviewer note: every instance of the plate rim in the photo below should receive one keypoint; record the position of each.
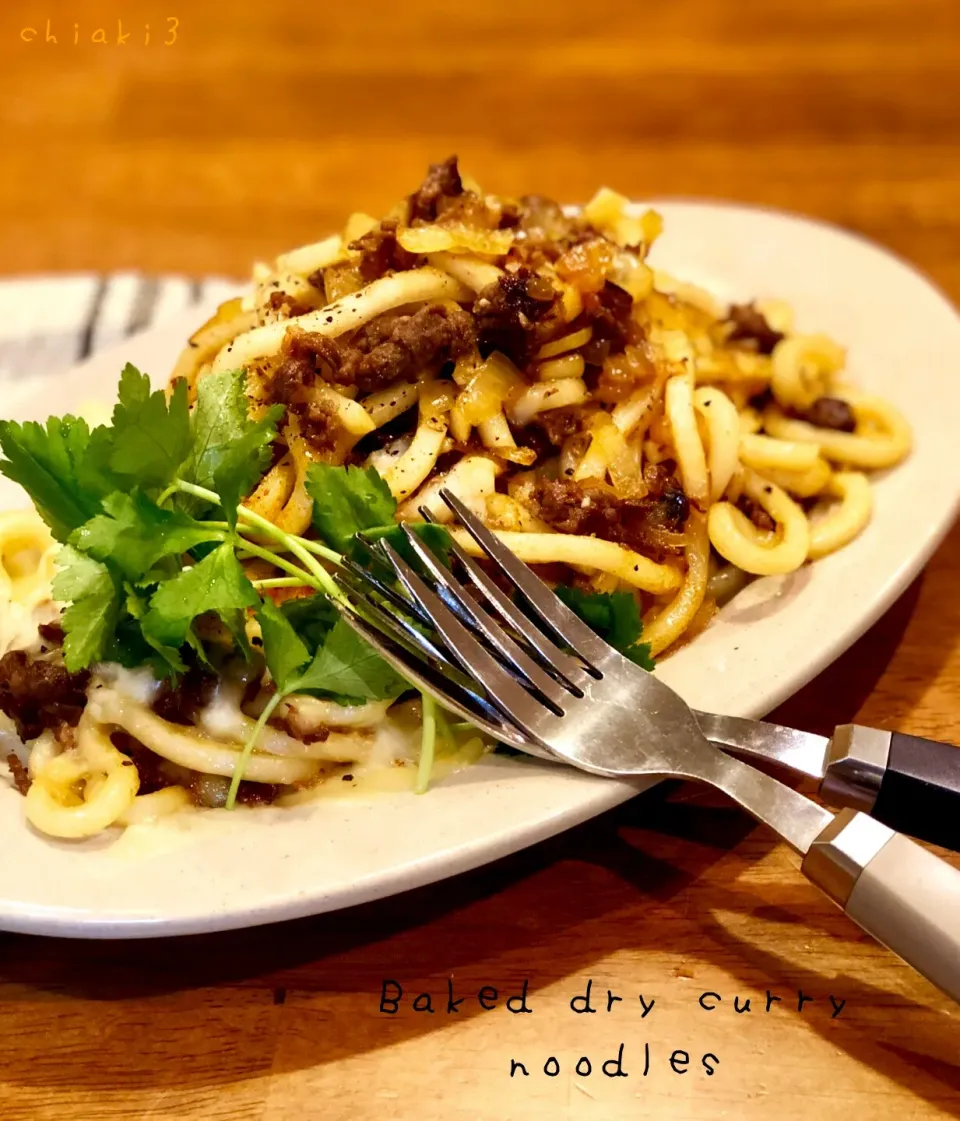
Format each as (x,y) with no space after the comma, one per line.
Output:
(100,924)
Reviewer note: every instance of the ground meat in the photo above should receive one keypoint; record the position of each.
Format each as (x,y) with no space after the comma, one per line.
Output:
(532,436)
(442,182)
(543,233)
(832,412)
(509,215)
(51,634)
(380,437)
(756,513)
(609,312)
(18,772)
(38,694)
(620,375)
(394,347)
(257,793)
(557,424)
(284,302)
(750,326)
(380,252)
(759,401)
(157,773)
(320,426)
(319,734)
(547,431)
(516,315)
(303,356)
(316,280)
(154,771)
(292,376)
(660,477)
(648,525)
(181,703)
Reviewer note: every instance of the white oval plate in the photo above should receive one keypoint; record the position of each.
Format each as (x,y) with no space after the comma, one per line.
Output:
(218,870)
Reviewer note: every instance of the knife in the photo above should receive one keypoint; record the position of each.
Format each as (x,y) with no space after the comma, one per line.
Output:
(908,783)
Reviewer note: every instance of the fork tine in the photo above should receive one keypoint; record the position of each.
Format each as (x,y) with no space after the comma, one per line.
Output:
(556,615)
(397,626)
(476,619)
(357,579)
(359,573)
(449,694)
(503,689)
(569,669)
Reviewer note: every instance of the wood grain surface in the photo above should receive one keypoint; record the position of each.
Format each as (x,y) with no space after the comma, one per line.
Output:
(263,125)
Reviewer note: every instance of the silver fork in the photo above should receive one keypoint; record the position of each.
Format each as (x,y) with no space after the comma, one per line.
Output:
(542,681)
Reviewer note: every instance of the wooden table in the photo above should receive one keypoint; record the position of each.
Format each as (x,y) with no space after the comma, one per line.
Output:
(262,125)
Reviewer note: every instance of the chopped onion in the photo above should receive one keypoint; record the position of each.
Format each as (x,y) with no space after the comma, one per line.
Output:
(509,513)
(493,383)
(471,480)
(495,434)
(387,404)
(566,366)
(442,239)
(436,396)
(609,213)
(471,271)
(459,428)
(568,342)
(357,225)
(547,395)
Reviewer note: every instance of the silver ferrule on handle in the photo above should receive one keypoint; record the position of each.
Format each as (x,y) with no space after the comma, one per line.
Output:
(903,895)
(855,765)
(839,855)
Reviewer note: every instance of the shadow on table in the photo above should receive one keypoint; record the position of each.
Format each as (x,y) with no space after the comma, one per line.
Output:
(624,881)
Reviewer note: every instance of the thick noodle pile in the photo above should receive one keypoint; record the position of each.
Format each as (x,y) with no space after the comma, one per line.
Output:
(609,421)
(616,427)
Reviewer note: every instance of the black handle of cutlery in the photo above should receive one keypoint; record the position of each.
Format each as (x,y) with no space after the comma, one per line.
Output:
(920,790)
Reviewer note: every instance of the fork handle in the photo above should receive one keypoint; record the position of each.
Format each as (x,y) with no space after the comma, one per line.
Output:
(907,782)
(903,895)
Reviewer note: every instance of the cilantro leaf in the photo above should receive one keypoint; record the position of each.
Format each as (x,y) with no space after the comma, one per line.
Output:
(62,466)
(436,537)
(312,617)
(91,619)
(235,621)
(283,649)
(346,500)
(134,534)
(348,670)
(151,438)
(133,648)
(230,450)
(344,668)
(217,583)
(615,618)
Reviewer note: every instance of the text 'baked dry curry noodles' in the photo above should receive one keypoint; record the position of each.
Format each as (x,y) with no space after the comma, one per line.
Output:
(640,445)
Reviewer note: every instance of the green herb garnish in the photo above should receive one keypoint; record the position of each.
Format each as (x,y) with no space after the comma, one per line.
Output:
(148,510)
(614,617)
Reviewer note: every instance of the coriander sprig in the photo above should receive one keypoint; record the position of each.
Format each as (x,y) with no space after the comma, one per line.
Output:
(150,512)
(251,520)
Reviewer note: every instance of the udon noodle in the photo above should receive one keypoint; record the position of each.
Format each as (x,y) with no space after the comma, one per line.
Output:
(614,425)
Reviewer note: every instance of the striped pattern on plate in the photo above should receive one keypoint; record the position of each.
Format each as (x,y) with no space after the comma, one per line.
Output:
(48,323)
